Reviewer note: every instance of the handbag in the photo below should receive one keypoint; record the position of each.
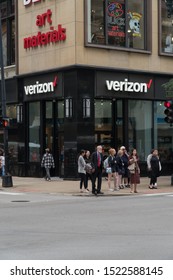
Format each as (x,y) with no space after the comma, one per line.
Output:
(131,168)
(89,168)
(108,170)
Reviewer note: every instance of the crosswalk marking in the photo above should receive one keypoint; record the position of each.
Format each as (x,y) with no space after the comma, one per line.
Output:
(8,193)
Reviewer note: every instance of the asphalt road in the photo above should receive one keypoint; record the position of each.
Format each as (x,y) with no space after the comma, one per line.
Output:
(45,226)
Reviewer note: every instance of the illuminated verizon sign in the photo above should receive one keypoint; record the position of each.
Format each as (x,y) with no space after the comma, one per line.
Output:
(29,2)
(127,86)
(39,88)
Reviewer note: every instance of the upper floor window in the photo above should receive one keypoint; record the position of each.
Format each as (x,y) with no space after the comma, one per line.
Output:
(166,28)
(120,23)
(8,31)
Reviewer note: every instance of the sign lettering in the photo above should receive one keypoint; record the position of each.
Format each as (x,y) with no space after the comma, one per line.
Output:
(39,88)
(41,38)
(128,86)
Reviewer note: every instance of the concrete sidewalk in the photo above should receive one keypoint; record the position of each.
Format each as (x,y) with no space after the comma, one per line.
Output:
(60,186)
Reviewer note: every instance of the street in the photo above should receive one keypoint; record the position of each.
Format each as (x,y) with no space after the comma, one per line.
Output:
(47,226)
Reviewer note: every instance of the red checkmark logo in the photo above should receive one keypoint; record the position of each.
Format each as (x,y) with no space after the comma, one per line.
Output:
(55,81)
(149,83)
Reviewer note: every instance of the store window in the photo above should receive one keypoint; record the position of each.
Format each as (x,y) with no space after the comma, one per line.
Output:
(120,23)
(166,30)
(34,132)
(163,133)
(49,125)
(103,123)
(8,31)
(140,129)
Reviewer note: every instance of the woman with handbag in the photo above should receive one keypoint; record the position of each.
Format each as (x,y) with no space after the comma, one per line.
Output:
(112,169)
(134,171)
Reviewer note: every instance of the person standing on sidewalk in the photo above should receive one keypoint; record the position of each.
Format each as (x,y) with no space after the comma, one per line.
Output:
(82,171)
(97,162)
(155,168)
(48,163)
(134,171)
(112,162)
(87,158)
(125,159)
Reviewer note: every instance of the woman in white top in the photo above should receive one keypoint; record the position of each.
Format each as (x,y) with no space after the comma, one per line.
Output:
(81,170)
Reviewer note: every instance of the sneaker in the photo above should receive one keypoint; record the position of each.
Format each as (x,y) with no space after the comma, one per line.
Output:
(117,189)
(81,191)
(111,190)
(86,190)
(150,187)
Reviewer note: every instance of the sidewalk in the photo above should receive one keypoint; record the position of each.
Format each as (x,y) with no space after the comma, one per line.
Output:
(66,187)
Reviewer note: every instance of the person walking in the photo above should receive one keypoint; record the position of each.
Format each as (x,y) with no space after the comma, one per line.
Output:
(155,168)
(48,163)
(134,171)
(97,163)
(112,163)
(82,171)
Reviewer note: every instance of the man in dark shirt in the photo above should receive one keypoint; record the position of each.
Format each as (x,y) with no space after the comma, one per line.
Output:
(97,162)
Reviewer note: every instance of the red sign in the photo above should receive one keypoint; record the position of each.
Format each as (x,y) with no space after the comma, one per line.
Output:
(44,38)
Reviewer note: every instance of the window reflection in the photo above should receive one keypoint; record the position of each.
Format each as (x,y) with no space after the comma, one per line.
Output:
(163,136)
(140,128)
(103,123)
(8,31)
(117,23)
(96,21)
(34,131)
(167,30)
(135,26)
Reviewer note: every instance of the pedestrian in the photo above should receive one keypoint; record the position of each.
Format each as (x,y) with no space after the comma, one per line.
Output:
(120,168)
(82,171)
(87,158)
(97,162)
(48,163)
(134,171)
(155,168)
(112,163)
(2,163)
(149,164)
(125,159)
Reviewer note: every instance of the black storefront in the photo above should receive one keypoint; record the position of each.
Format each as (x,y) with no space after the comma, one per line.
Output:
(78,108)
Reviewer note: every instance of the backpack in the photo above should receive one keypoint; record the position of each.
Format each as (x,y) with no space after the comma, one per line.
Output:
(105,163)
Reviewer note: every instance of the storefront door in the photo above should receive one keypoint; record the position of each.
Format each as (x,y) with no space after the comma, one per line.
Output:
(54,133)
(109,123)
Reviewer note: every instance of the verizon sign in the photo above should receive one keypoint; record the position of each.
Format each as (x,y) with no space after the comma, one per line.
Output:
(126,86)
(39,88)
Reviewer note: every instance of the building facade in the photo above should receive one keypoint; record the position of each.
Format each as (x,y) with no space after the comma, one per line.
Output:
(89,72)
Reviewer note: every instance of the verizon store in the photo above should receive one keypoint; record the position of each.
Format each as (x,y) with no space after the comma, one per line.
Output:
(78,108)
(68,101)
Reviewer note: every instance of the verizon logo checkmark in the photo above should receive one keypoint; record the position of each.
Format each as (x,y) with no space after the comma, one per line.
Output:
(55,81)
(149,83)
